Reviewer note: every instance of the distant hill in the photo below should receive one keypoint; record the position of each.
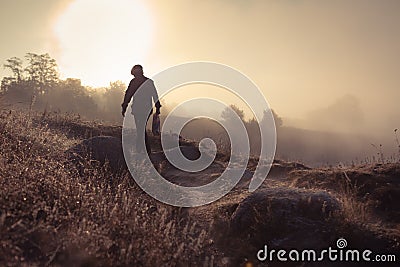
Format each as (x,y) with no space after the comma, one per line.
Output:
(315,148)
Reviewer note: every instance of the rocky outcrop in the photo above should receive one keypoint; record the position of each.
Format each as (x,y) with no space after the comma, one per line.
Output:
(100,149)
(285,217)
(108,150)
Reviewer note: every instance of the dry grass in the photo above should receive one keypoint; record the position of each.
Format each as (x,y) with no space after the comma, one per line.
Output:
(49,215)
(368,195)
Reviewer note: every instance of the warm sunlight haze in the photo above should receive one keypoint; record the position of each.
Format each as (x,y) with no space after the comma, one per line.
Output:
(322,65)
(200,133)
(99,40)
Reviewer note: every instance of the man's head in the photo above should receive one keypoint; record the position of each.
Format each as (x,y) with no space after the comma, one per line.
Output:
(137,71)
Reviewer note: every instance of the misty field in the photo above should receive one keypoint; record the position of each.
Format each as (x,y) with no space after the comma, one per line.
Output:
(54,212)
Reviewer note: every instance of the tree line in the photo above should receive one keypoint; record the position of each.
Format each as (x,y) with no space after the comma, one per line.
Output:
(35,81)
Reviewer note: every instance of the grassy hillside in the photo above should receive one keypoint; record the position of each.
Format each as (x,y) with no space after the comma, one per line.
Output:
(53,214)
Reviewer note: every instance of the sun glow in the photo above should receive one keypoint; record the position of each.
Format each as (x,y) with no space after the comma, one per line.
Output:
(99,41)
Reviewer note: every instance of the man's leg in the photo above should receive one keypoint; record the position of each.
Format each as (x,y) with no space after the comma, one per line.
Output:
(140,133)
(146,138)
(147,142)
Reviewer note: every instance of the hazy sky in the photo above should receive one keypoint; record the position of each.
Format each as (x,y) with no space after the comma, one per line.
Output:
(325,64)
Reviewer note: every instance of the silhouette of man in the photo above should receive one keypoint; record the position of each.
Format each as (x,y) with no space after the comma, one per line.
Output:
(142,106)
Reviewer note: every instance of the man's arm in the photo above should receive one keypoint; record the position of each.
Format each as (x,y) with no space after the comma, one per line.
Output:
(127,98)
(155,98)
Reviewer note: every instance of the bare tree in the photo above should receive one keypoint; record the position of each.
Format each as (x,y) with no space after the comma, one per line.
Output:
(42,71)
(228,115)
(14,64)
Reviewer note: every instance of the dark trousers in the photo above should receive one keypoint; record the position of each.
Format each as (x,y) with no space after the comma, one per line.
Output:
(140,130)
